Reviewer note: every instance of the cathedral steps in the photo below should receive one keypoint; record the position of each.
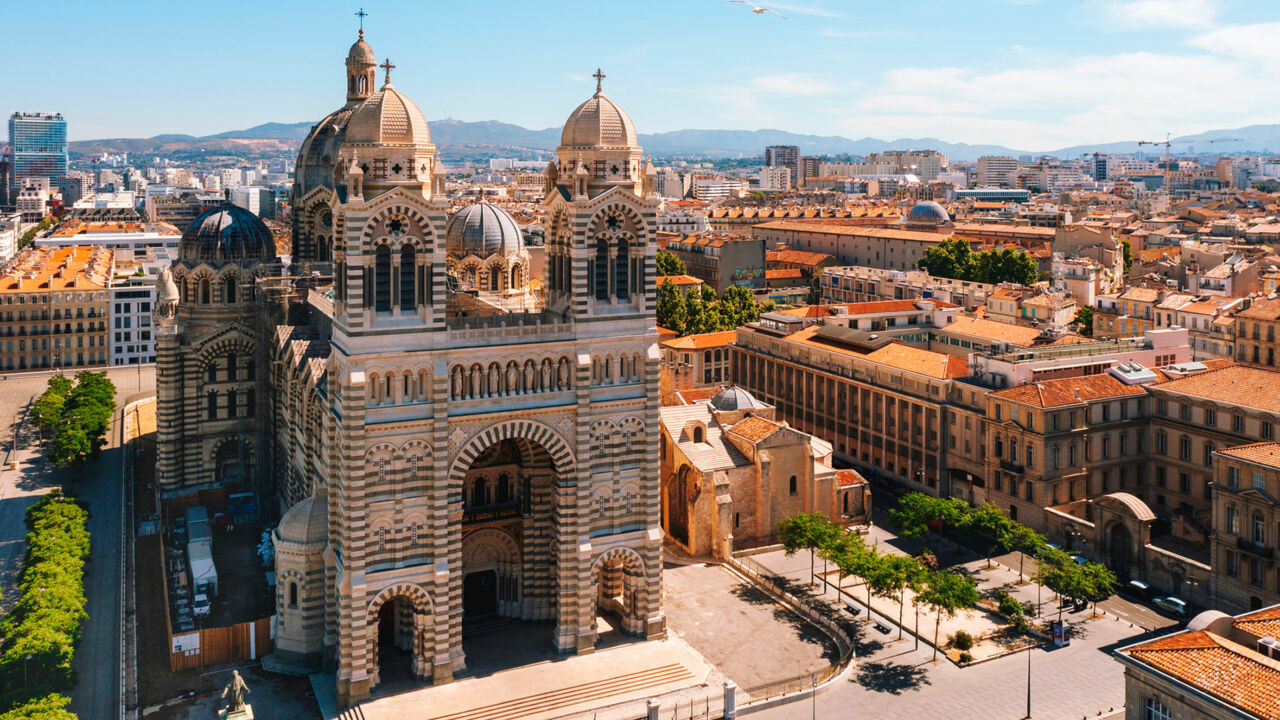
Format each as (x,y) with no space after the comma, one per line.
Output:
(552,700)
(352,713)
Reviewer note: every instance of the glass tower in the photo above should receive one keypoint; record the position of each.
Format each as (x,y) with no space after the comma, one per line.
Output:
(38,143)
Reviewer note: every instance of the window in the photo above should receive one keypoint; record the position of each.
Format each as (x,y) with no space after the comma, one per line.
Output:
(1156,710)
(293,594)
(1266,431)
(1233,563)
(1233,477)
(602,269)
(1160,477)
(1259,481)
(1233,520)
(1106,447)
(998,413)
(1208,455)
(794,488)
(1185,412)
(1184,483)
(1162,443)
(382,279)
(1106,412)
(1031,495)
(1031,463)
(229,289)
(1210,418)
(1184,448)
(621,286)
(1237,423)
(408,276)
(1071,456)
(1053,458)
(1259,530)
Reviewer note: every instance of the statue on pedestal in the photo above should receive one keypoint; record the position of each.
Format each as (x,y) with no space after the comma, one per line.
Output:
(234,693)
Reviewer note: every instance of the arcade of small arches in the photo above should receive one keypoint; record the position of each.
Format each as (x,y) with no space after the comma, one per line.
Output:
(496,274)
(495,380)
(206,286)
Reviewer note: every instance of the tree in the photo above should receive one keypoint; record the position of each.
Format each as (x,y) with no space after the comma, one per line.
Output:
(739,307)
(1061,574)
(948,259)
(807,531)
(988,520)
(1128,254)
(1097,583)
(80,425)
(1007,265)
(47,410)
(48,707)
(947,592)
(672,312)
(1024,540)
(669,264)
(1084,320)
(815,291)
(896,574)
(917,513)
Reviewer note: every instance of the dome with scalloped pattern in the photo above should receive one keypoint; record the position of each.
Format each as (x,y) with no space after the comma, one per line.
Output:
(482,229)
(599,122)
(361,52)
(388,117)
(227,233)
(305,523)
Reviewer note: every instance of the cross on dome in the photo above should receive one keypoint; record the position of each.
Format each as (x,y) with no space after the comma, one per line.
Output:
(388,67)
(362,15)
(599,76)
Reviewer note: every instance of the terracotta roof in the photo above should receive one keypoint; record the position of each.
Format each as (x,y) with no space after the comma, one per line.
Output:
(1141,294)
(1069,391)
(703,341)
(755,428)
(895,355)
(41,269)
(678,280)
(1263,453)
(783,273)
(1004,332)
(849,478)
(1262,309)
(1241,385)
(858,230)
(1261,623)
(799,257)
(1218,667)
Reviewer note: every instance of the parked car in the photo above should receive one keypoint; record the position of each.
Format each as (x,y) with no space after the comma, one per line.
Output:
(1078,560)
(1137,590)
(201,605)
(1171,605)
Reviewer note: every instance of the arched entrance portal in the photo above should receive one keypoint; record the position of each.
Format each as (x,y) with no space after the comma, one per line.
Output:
(401,635)
(491,585)
(621,599)
(1119,550)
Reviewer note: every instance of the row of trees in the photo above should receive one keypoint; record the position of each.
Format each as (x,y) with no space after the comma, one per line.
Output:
(700,311)
(29,237)
(884,575)
(955,259)
(40,632)
(918,514)
(74,416)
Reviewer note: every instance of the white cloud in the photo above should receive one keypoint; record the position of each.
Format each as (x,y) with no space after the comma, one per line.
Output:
(799,9)
(867,34)
(1043,105)
(1254,43)
(794,84)
(1159,13)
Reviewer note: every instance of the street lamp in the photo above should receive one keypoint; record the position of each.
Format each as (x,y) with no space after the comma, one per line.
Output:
(25,658)
(1028,715)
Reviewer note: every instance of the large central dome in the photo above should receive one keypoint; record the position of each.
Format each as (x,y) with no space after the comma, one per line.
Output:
(482,230)
(388,117)
(599,122)
(227,233)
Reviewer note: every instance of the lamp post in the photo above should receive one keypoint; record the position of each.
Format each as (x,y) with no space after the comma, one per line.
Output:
(25,658)
(1028,715)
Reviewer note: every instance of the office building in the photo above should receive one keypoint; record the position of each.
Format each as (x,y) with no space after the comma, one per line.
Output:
(38,144)
(774,179)
(787,156)
(10,231)
(997,171)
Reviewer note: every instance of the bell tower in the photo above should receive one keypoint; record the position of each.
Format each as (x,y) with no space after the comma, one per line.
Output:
(362,67)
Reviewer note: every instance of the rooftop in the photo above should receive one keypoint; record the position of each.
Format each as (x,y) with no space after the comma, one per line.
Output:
(702,341)
(1241,385)
(994,331)
(858,230)
(1217,666)
(77,267)
(1069,391)
(1263,453)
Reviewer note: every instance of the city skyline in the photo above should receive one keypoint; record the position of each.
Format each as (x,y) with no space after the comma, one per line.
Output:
(965,74)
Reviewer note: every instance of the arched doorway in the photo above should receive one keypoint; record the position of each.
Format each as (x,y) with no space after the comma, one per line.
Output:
(232,462)
(619,592)
(676,504)
(491,585)
(1119,550)
(401,635)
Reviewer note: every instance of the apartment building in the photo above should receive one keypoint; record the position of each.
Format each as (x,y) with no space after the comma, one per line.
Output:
(1246,526)
(695,361)
(885,248)
(847,284)
(1255,332)
(54,308)
(722,260)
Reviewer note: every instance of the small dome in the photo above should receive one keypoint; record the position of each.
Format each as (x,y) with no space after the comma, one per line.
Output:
(306,522)
(227,233)
(361,53)
(599,122)
(928,212)
(388,116)
(735,398)
(482,230)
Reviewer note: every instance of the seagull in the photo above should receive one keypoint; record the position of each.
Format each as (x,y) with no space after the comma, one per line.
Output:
(758,10)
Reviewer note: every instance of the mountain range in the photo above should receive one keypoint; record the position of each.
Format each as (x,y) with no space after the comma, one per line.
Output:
(499,136)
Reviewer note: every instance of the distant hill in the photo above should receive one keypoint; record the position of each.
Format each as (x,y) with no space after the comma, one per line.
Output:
(449,133)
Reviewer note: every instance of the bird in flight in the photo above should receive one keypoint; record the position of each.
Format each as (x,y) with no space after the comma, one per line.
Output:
(758,10)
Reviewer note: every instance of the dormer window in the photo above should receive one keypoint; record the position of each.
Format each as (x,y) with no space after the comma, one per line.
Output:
(698,434)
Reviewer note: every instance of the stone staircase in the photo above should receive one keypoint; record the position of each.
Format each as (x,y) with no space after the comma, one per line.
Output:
(352,713)
(546,703)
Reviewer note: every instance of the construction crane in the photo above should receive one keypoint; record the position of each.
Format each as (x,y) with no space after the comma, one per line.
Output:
(1167,142)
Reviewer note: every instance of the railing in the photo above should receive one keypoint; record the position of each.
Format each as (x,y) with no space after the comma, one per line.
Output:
(506,320)
(1252,548)
(491,512)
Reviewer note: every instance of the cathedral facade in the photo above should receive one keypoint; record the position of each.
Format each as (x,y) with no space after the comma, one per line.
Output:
(451,442)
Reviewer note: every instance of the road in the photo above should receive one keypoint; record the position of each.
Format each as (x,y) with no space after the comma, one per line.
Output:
(97,659)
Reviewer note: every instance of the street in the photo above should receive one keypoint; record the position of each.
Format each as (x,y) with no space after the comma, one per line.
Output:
(97,659)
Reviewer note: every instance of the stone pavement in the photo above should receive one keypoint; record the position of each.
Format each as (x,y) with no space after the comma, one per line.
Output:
(549,689)
(748,636)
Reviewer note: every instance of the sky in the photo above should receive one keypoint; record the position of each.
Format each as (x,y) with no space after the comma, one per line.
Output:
(1028,74)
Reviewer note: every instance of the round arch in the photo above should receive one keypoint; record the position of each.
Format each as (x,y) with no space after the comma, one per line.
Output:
(532,430)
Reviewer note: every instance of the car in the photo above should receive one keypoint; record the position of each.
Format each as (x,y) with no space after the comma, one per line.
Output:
(201,606)
(1171,605)
(1137,589)
(1078,560)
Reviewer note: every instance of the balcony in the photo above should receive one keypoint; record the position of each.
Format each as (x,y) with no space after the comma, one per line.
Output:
(491,512)
(1012,466)
(1246,545)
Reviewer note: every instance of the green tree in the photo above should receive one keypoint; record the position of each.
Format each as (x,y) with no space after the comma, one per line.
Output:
(917,513)
(47,410)
(948,259)
(48,707)
(1084,320)
(807,531)
(672,311)
(1007,265)
(1097,583)
(947,593)
(1128,254)
(669,264)
(739,307)
(84,419)
(1023,540)
(815,290)
(988,520)
(1058,572)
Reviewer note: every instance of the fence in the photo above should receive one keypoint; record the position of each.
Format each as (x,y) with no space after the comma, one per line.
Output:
(248,640)
(817,613)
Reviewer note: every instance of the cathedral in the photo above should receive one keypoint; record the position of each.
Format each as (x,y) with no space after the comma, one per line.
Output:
(448,440)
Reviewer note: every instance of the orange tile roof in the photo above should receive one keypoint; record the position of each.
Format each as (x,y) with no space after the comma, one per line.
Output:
(696,395)
(849,478)
(1218,667)
(678,280)
(755,428)
(1231,384)
(1262,309)
(1069,391)
(703,341)
(858,230)
(799,257)
(78,267)
(923,362)
(1263,453)
(1004,332)
(783,274)
(1261,623)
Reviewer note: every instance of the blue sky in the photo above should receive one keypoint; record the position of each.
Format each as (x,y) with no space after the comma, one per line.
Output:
(1031,74)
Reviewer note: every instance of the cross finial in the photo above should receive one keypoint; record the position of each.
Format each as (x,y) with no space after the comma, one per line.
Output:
(599,76)
(362,15)
(388,67)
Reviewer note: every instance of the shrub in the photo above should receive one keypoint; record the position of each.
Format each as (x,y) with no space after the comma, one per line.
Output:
(965,658)
(1029,609)
(49,707)
(1010,606)
(961,640)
